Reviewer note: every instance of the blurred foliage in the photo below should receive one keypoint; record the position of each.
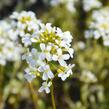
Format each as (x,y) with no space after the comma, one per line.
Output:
(63,19)
(91,60)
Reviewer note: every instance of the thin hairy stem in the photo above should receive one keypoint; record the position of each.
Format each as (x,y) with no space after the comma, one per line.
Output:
(34,96)
(1,89)
(52,96)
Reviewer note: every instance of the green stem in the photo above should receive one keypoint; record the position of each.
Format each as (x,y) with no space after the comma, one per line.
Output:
(52,96)
(34,96)
(1,88)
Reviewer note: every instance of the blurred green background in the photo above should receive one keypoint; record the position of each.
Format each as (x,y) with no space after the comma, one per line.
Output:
(87,88)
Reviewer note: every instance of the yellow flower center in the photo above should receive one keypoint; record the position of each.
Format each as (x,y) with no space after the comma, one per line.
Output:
(25,19)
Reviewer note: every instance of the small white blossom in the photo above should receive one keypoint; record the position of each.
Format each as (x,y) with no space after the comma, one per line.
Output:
(60,57)
(28,75)
(64,74)
(47,73)
(26,40)
(26,25)
(46,52)
(91,4)
(45,87)
(23,16)
(32,58)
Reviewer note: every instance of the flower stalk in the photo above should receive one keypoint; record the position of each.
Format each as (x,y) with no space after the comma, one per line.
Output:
(1,90)
(34,96)
(52,96)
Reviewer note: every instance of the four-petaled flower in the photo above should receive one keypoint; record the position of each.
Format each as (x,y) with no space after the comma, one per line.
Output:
(28,75)
(66,73)
(45,87)
(47,73)
(60,57)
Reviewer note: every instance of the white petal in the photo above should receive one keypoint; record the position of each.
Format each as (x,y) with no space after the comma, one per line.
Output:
(42,46)
(62,76)
(45,76)
(48,48)
(62,62)
(33,51)
(33,63)
(50,74)
(48,56)
(71,51)
(65,56)
(47,67)
(28,76)
(59,51)
(69,72)
(40,69)
(55,57)
(41,89)
(26,41)
(48,26)
(42,56)
(47,90)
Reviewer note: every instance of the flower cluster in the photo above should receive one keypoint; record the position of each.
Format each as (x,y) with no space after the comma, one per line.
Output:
(99,26)
(70,4)
(49,50)
(10,49)
(26,25)
(91,4)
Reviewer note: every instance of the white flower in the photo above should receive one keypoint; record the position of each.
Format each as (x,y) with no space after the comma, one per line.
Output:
(28,75)
(99,26)
(60,57)
(47,73)
(63,74)
(47,27)
(68,39)
(23,16)
(90,4)
(45,52)
(45,87)
(65,41)
(26,25)
(71,5)
(26,40)
(10,49)
(32,58)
